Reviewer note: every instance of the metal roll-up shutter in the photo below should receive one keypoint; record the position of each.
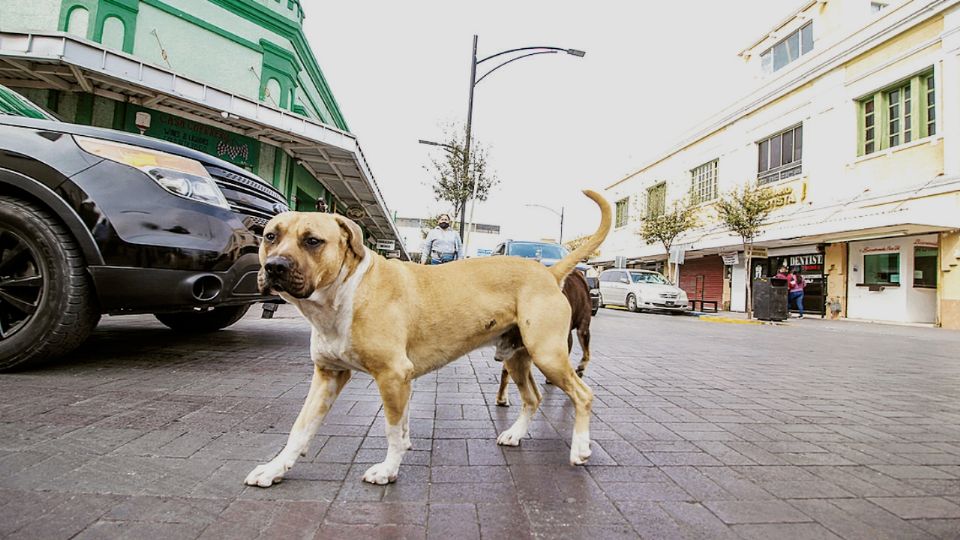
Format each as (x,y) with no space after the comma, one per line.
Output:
(703,278)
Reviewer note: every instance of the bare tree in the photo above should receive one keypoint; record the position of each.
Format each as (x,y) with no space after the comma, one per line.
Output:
(744,211)
(453,184)
(666,227)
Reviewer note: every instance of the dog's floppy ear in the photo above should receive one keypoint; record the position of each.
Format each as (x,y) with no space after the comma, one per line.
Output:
(353,233)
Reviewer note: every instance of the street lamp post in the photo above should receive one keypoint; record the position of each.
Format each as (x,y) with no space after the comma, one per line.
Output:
(473,83)
(560,213)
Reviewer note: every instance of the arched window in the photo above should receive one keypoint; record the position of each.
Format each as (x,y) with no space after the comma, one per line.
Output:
(78,21)
(113,31)
(273,94)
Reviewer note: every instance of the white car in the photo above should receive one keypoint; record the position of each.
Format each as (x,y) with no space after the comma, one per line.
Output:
(640,289)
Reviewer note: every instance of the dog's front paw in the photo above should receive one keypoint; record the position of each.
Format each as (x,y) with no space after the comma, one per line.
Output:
(266,475)
(380,474)
(505,402)
(580,449)
(510,437)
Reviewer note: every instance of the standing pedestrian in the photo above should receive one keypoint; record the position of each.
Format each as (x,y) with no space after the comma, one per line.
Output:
(795,286)
(442,244)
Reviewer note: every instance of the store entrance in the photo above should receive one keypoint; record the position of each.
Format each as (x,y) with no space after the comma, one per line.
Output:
(811,268)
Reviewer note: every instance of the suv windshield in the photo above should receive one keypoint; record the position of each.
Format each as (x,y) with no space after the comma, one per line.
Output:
(13,104)
(535,250)
(647,277)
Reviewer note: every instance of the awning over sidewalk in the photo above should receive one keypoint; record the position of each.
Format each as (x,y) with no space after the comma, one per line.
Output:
(65,62)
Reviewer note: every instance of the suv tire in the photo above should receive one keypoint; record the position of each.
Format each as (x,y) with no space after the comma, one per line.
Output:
(632,303)
(47,303)
(198,322)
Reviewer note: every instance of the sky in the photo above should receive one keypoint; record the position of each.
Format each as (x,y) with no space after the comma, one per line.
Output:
(554,124)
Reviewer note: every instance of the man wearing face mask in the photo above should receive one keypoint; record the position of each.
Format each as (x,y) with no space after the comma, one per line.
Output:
(442,244)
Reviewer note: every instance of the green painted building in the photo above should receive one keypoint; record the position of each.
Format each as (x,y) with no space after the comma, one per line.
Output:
(233,78)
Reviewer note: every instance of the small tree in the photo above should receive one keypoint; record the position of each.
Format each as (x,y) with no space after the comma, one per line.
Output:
(744,211)
(450,183)
(666,227)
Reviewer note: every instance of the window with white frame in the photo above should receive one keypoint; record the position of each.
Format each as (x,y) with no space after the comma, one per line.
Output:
(790,48)
(898,114)
(704,182)
(623,211)
(780,156)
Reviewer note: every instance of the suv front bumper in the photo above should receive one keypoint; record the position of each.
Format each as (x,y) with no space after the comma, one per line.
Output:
(125,290)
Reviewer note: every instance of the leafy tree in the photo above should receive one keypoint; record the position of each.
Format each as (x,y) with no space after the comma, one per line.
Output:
(454,185)
(577,242)
(744,211)
(667,226)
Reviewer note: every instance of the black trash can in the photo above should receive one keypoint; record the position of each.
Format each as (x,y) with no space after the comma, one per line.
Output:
(770,299)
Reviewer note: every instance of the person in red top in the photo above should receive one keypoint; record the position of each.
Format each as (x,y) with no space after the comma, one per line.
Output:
(795,286)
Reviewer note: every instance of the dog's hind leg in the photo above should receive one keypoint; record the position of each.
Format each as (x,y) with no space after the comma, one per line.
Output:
(551,359)
(394,386)
(324,389)
(519,367)
(583,335)
(503,396)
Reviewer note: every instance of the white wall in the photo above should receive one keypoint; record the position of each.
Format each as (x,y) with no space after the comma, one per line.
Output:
(897,304)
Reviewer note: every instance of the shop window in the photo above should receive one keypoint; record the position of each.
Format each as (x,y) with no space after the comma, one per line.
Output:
(881,269)
(780,156)
(925,267)
(623,211)
(898,114)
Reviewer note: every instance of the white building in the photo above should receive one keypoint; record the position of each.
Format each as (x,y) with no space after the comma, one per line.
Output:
(855,122)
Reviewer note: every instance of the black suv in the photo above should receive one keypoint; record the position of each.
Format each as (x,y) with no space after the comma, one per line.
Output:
(97,221)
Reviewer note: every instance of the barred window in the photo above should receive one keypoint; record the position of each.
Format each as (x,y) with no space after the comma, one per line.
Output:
(623,211)
(656,200)
(704,186)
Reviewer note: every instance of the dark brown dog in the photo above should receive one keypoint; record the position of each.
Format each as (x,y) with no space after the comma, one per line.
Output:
(577,291)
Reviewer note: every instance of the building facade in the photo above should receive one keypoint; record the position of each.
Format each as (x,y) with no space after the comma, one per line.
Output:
(233,78)
(854,123)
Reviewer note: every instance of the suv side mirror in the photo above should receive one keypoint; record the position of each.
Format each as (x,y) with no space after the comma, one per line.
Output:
(624,280)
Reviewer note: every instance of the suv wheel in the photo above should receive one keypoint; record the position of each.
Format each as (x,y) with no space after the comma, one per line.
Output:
(47,304)
(632,303)
(196,322)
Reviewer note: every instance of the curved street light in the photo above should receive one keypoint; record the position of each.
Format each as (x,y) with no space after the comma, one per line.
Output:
(560,213)
(473,83)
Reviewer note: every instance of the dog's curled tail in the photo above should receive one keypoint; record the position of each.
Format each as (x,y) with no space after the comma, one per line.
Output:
(566,265)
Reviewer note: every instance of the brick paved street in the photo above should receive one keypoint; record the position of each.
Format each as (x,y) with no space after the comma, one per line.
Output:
(808,430)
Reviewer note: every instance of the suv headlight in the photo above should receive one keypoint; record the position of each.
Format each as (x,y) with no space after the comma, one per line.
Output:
(179,175)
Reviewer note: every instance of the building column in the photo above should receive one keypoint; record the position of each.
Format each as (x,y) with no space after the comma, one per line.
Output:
(949,281)
(835,271)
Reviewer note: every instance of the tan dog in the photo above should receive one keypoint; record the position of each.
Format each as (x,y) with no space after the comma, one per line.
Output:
(577,292)
(398,321)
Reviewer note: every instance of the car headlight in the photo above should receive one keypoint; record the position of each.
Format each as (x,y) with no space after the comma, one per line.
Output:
(181,176)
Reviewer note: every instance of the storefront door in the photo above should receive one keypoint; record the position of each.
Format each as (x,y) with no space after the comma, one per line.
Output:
(811,268)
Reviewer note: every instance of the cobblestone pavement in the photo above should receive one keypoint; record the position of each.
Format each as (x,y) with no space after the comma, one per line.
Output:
(808,430)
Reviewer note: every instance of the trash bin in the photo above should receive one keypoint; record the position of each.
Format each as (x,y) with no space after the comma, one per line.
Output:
(770,299)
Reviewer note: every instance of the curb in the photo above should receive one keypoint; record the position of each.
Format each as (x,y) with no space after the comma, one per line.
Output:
(729,320)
